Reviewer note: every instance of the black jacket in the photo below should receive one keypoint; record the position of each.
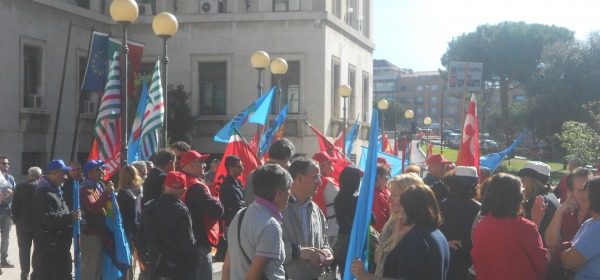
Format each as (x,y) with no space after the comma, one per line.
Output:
(22,205)
(126,201)
(50,209)
(167,227)
(153,185)
(232,197)
(67,189)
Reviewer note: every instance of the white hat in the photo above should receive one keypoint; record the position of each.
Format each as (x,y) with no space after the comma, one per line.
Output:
(466,171)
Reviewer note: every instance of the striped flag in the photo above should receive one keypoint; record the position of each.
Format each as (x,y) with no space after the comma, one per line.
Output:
(133,153)
(107,129)
(153,116)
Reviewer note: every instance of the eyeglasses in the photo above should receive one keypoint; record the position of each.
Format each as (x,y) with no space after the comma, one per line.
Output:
(5,163)
(239,166)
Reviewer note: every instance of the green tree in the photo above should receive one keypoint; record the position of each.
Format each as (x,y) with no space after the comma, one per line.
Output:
(583,139)
(179,115)
(510,53)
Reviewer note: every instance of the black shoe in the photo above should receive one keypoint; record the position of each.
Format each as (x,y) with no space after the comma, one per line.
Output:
(6,264)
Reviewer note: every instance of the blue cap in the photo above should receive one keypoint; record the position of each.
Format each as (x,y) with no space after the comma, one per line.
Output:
(57,164)
(91,164)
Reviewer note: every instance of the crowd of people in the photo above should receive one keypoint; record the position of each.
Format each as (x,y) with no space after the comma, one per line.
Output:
(294,219)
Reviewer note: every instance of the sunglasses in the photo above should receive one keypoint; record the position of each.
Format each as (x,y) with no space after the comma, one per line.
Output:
(5,163)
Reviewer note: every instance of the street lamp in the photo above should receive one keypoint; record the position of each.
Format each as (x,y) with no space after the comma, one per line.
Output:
(344,91)
(427,122)
(124,12)
(409,114)
(382,105)
(165,25)
(260,61)
(279,67)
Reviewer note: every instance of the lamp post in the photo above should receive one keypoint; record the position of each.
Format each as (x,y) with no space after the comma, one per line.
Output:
(344,91)
(260,61)
(382,105)
(279,67)
(124,12)
(427,122)
(409,114)
(165,25)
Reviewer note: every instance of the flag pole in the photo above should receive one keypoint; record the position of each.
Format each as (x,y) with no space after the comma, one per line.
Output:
(79,101)
(60,92)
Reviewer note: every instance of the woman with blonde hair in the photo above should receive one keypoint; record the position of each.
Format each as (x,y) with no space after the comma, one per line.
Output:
(388,238)
(129,188)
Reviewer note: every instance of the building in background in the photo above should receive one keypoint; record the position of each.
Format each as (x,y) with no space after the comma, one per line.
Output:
(326,44)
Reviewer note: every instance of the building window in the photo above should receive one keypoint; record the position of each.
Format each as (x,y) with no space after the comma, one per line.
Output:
(433,99)
(88,99)
(84,4)
(420,100)
(419,88)
(29,159)
(434,111)
(286,5)
(290,90)
(32,76)
(420,111)
(352,84)
(403,89)
(213,87)
(335,84)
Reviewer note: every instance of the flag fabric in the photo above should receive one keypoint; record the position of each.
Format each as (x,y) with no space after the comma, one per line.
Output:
(339,142)
(254,142)
(362,217)
(492,161)
(116,256)
(76,232)
(136,128)
(469,150)
(153,116)
(258,107)
(429,152)
(237,146)
(102,50)
(386,147)
(351,137)
(341,161)
(396,146)
(396,162)
(271,132)
(107,129)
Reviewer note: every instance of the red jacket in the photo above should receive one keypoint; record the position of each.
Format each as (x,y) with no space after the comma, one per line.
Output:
(381,207)
(319,198)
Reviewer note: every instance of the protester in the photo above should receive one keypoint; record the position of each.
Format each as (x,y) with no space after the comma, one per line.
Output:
(307,251)
(388,237)
(506,245)
(152,187)
(232,198)
(536,181)
(413,168)
(438,166)
(179,148)
(458,212)
(209,176)
(168,234)
(381,203)
(7,187)
(562,189)
(129,188)
(484,173)
(584,255)
(24,218)
(73,175)
(256,249)
(94,196)
(280,152)
(345,206)
(422,250)
(205,209)
(52,242)
(567,220)
(141,168)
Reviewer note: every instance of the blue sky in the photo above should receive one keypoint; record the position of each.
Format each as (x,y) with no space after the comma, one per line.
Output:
(415,33)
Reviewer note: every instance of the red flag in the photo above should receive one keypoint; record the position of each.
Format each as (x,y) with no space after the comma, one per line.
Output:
(237,146)
(254,143)
(429,152)
(339,142)
(469,149)
(385,145)
(94,152)
(341,160)
(135,61)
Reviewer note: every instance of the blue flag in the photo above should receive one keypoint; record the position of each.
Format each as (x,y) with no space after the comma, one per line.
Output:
(76,231)
(396,168)
(133,153)
(117,255)
(362,218)
(267,137)
(258,107)
(352,134)
(492,161)
(97,65)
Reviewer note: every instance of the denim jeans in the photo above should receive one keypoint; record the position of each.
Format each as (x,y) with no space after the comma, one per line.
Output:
(5,225)
(204,271)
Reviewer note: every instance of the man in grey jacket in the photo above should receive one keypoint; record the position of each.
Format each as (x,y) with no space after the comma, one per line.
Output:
(307,251)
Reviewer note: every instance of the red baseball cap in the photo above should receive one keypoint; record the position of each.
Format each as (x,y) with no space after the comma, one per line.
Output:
(192,155)
(175,180)
(321,157)
(382,160)
(437,159)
